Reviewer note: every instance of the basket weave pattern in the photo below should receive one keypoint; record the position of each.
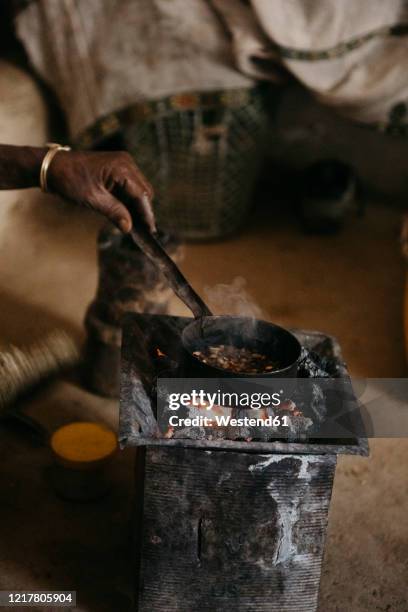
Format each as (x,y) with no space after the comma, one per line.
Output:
(203,157)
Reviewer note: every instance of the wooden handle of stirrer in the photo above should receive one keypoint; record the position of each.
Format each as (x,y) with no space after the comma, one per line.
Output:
(151,247)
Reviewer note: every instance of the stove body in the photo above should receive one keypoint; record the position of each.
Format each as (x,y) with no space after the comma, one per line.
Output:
(226,531)
(222,525)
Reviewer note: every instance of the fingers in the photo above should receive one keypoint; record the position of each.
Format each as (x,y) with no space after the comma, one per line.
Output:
(136,176)
(124,193)
(138,197)
(114,210)
(147,212)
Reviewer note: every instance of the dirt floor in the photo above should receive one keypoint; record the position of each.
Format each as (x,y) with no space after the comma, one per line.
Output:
(350,286)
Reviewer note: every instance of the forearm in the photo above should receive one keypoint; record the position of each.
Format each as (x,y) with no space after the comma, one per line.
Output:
(20,166)
(107,181)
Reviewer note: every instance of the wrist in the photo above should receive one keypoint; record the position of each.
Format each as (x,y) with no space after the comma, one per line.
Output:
(31,159)
(53,150)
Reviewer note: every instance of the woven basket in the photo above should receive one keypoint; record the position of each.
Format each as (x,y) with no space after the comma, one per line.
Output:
(202,153)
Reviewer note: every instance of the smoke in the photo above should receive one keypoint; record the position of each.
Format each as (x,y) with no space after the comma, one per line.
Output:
(233,299)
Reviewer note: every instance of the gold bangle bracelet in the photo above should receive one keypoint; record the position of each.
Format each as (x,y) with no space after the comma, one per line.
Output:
(53,148)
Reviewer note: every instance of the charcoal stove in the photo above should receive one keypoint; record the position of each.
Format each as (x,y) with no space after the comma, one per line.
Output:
(223,525)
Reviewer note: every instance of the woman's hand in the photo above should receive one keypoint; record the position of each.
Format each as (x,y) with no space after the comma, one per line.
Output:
(108,182)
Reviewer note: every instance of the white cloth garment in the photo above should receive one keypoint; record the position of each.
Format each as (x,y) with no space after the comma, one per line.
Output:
(102,55)
(364,82)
